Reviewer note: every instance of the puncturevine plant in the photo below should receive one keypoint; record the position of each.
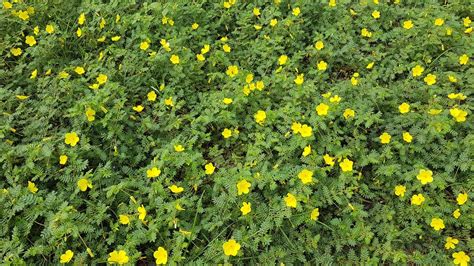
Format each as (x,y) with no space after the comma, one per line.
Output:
(236,132)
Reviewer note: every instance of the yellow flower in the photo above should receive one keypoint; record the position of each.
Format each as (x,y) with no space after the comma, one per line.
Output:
(461,198)
(335,99)
(63,75)
(260,85)
(231,247)
(116,38)
(249,78)
(434,111)
(256,11)
(348,113)
(290,200)
(385,138)
(90,114)
(456,213)
(315,214)
(153,172)
(141,212)
(306,131)
(461,258)
(226,48)
(194,26)
(346,165)
(120,257)
(299,79)
(227,101)
(296,127)
(449,31)
(169,101)
(246,208)
(322,66)
(200,57)
(328,159)
(161,256)
(34,74)
(79,70)
(205,49)
(81,19)
(354,79)
(174,59)
(232,71)
(209,168)
(102,23)
(16,51)
(306,176)
(66,256)
(226,133)
(151,96)
(370,65)
(22,97)
(458,114)
(430,79)
(30,40)
(71,139)
(165,44)
(451,242)
(23,15)
(79,32)
(376,14)
(306,151)
(400,191)
(101,79)
(417,199)
(260,117)
(178,207)
(439,22)
(407,137)
(437,224)
(282,59)
(332,3)
(319,45)
(273,22)
(63,159)
(124,219)
(32,187)
(138,108)
(49,28)
(322,109)
(94,86)
(178,148)
(459,96)
(243,187)
(296,11)
(466,21)
(144,45)
(407,24)
(463,59)
(175,189)
(7,5)
(365,33)
(404,108)
(83,184)
(425,176)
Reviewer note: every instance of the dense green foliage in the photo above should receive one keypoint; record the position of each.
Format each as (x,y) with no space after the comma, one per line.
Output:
(55,85)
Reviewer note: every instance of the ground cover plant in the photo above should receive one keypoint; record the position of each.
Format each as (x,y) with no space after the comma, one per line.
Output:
(240,132)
